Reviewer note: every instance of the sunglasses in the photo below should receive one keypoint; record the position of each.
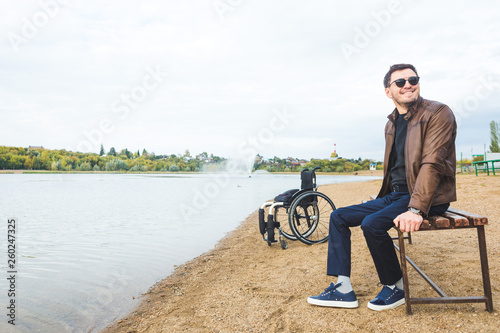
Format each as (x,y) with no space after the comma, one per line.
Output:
(401,82)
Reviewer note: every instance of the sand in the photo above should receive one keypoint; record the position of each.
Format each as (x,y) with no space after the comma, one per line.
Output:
(243,285)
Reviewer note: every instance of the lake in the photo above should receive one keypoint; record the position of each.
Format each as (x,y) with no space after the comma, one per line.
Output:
(88,245)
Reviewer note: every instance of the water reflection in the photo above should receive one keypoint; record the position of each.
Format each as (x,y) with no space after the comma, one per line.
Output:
(89,244)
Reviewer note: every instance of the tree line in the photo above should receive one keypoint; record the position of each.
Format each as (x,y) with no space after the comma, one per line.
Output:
(327,165)
(38,158)
(62,160)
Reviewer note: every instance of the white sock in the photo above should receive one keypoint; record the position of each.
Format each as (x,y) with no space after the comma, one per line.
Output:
(400,284)
(345,286)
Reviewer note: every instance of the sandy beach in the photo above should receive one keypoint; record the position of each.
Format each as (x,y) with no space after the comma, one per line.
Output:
(243,285)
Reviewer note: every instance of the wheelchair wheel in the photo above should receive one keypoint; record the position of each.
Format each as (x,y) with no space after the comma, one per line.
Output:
(310,217)
(281,216)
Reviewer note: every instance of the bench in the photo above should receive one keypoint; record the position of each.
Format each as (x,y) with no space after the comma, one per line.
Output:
(487,165)
(450,220)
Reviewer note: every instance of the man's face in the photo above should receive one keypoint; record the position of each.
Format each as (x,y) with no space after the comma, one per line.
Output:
(406,95)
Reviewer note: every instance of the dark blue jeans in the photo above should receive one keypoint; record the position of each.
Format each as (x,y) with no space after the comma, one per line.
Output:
(375,218)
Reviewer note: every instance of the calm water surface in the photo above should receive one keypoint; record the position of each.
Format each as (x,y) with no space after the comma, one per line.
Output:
(88,244)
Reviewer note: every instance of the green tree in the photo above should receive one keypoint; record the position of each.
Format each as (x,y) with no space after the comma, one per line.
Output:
(126,153)
(495,134)
(17,162)
(116,164)
(135,168)
(112,151)
(28,163)
(45,160)
(349,166)
(3,162)
(57,165)
(36,163)
(93,159)
(101,153)
(85,166)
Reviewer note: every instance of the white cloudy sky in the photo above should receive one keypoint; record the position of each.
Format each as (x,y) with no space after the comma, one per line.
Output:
(68,68)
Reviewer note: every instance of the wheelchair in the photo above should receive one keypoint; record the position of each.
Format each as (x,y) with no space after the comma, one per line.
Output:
(297,214)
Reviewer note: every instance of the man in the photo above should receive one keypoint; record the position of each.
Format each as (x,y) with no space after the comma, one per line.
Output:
(419,180)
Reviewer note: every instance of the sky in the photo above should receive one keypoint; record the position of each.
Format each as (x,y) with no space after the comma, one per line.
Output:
(239,77)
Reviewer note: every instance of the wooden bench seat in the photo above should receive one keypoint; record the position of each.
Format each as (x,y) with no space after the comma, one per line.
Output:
(452,219)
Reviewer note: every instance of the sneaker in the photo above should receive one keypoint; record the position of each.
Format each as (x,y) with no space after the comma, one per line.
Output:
(334,298)
(387,298)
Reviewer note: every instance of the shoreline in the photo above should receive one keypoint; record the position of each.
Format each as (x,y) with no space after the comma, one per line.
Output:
(22,171)
(245,285)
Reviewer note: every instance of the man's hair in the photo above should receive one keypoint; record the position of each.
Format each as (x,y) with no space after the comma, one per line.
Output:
(394,68)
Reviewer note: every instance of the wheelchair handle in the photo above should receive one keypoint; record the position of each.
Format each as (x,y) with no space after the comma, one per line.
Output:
(315,168)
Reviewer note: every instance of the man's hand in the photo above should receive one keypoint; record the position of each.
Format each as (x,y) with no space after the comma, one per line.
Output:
(408,221)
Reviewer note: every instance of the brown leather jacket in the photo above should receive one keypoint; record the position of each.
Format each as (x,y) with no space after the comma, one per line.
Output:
(429,154)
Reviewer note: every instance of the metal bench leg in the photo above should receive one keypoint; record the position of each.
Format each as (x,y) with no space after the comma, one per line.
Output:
(484,268)
(405,271)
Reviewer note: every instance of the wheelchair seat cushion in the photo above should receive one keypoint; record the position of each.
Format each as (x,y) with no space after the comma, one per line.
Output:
(285,196)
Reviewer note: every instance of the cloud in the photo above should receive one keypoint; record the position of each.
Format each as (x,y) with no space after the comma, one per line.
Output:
(227,75)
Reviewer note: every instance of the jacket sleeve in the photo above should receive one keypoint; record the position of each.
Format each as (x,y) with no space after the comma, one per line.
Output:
(439,138)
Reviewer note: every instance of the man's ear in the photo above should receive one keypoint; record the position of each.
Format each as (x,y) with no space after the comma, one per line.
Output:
(388,93)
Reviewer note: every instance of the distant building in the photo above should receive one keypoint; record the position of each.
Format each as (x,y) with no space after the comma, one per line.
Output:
(201,157)
(35,147)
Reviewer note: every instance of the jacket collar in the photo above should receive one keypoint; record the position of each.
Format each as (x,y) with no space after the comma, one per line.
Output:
(413,109)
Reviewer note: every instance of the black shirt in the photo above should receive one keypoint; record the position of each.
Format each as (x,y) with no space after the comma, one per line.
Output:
(398,172)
